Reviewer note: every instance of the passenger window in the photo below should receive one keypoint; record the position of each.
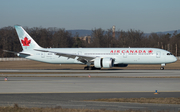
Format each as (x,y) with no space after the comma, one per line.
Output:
(169,53)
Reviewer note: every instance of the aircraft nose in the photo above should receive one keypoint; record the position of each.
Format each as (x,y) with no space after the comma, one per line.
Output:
(174,59)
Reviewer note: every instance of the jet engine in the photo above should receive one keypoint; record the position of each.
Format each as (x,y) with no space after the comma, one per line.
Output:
(103,62)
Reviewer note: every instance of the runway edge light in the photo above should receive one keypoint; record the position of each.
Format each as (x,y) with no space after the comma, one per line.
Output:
(5,79)
(156,92)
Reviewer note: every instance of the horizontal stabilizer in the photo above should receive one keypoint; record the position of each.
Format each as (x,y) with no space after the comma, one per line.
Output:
(17,53)
(21,53)
(10,51)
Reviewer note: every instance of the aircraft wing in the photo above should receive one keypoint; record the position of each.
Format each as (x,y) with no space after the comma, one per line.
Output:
(82,58)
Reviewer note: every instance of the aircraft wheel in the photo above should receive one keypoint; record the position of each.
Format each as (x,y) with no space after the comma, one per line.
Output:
(86,68)
(162,68)
(93,68)
(97,68)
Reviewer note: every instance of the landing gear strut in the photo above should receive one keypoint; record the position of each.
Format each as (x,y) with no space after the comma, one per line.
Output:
(162,66)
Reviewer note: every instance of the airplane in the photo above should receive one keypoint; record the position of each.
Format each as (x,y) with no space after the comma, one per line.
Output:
(93,58)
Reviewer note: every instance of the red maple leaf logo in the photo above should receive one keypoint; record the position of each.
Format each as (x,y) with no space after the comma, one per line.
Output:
(150,51)
(25,42)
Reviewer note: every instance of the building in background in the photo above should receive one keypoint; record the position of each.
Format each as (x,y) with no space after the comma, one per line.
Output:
(113,30)
(87,39)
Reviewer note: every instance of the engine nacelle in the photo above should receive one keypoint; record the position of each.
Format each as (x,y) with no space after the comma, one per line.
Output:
(103,62)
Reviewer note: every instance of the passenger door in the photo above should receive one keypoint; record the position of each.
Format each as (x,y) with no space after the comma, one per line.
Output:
(42,55)
(79,52)
(158,54)
(124,55)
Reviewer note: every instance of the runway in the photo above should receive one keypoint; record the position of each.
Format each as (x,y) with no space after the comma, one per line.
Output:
(87,85)
(93,73)
(69,89)
(79,100)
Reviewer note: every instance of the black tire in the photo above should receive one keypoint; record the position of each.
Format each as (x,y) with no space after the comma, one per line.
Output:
(162,68)
(85,68)
(92,68)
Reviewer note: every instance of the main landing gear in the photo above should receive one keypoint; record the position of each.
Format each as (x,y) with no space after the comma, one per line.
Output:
(91,68)
(86,68)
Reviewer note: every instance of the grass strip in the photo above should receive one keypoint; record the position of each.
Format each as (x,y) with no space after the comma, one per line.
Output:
(170,100)
(16,108)
(6,75)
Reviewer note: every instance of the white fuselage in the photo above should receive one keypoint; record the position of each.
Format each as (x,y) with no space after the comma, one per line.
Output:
(120,55)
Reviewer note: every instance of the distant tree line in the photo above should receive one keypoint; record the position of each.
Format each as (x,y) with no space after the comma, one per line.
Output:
(60,38)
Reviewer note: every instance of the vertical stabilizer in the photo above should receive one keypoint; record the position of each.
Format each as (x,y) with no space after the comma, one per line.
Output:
(25,39)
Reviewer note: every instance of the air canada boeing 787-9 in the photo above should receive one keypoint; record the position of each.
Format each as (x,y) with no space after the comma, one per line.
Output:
(93,58)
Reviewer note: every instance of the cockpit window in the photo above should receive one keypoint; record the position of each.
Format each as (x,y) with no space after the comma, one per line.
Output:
(169,53)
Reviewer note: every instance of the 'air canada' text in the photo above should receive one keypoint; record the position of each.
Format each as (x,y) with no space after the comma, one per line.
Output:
(131,51)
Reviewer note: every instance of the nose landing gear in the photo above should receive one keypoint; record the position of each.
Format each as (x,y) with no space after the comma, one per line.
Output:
(162,66)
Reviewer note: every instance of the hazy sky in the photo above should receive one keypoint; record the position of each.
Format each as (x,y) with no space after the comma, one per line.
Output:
(145,15)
